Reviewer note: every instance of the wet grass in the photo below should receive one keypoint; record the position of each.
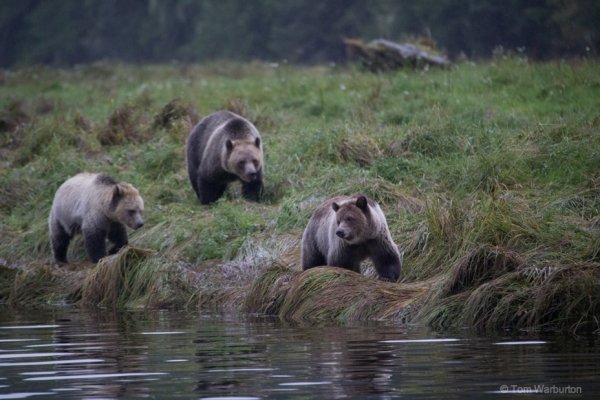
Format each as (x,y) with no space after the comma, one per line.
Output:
(487,173)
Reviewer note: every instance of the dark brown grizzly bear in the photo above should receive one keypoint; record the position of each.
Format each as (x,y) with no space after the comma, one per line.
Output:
(343,231)
(99,208)
(222,148)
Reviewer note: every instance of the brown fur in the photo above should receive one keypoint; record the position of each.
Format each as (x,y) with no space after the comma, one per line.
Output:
(222,148)
(343,231)
(98,207)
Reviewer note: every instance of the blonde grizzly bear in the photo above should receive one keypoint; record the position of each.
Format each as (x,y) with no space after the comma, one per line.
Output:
(343,231)
(99,208)
(222,148)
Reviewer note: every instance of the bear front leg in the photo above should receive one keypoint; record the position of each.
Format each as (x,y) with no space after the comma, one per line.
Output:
(311,257)
(117,234)
(95,244)
(387,263)
(252,190)
(209,192)
(60,240)
(344,258)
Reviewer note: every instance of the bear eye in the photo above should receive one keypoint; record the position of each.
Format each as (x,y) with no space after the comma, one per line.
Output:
(131,212)
(350,219)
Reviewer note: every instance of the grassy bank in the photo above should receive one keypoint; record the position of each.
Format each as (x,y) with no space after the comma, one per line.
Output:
(488,175)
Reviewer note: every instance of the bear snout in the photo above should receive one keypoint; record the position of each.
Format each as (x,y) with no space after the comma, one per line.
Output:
(340,233)
(136,224)
(252,176)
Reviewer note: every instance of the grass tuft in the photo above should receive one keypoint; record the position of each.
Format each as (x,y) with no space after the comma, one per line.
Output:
(481,265)
(335,294)
(126,124)
(360,149)
(269,290)
(120,278)
(174,111)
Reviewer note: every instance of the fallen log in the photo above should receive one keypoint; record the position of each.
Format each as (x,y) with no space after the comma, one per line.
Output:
(385,55)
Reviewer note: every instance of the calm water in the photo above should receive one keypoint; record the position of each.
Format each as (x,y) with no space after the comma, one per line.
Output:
(70,354)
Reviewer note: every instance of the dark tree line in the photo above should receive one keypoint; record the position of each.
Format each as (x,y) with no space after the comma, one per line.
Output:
(65,32)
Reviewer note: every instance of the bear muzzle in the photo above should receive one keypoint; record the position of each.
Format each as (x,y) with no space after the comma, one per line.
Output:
(342,234)
(252,176)
(136,224)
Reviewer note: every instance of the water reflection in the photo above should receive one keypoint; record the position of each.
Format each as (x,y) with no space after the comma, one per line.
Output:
(71,354)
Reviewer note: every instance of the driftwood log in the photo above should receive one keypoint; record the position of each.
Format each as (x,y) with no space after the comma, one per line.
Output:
(385,55)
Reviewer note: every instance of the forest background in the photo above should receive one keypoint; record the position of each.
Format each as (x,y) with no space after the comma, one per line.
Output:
(69,32)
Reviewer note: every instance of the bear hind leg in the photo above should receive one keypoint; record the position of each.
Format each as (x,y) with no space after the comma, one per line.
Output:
(209,192)
(95,244)
(60,240)
(117,234)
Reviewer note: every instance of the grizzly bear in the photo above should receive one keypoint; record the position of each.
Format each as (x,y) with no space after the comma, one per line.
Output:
(99,208)
(343,231)
(222,148)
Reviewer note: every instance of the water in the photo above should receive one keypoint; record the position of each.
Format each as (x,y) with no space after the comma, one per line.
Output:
(70,354)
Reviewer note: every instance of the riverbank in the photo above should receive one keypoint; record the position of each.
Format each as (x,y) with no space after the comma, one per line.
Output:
(487,173)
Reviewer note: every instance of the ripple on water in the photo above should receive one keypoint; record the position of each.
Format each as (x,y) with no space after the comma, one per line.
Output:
(34,355)
(521,343)
(94,376)
(53,362)
(446,340)
(23,395)
(30,327)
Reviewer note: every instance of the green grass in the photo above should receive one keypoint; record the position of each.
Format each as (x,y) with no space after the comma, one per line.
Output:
(480,161)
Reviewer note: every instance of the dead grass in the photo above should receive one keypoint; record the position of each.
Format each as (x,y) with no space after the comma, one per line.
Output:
(482,264)
(126,124)
(559,298)
(505,294)
(268,291)
(13,119)
(361,149)
(46,284)
(118,279)
(488,289)
(263,121)
(174,111)
(335,294)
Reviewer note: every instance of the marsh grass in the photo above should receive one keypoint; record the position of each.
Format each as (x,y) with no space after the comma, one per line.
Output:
(268,291)
(487,173)
(118,279)
(47,285)
(334,294)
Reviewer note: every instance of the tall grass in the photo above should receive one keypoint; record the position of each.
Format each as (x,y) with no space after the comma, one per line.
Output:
(487,173)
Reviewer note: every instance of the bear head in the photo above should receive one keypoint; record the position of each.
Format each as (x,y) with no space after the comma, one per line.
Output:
(244,158)
(127,205)
(353,219)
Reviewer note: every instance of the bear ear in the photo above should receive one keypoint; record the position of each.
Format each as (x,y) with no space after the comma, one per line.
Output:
(257,142)
(229,145)
(116,197)
(335,206)
(361,202)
